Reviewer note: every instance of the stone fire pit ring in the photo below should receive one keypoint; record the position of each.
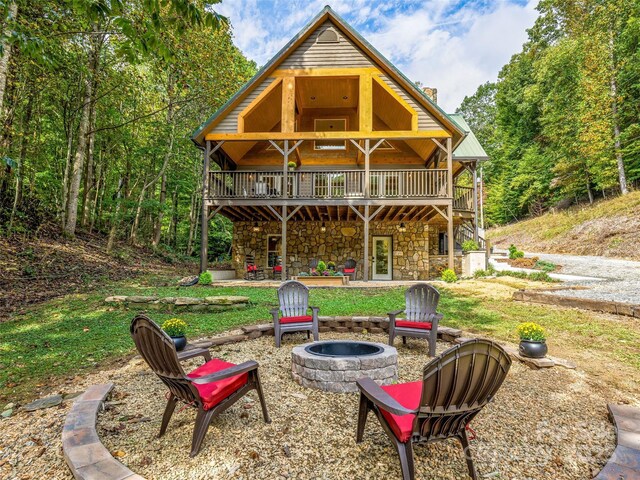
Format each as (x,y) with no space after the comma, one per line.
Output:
(331,371)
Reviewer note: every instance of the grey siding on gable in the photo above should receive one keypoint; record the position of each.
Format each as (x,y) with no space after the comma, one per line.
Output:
(229,124)
(326,55)
(425,119)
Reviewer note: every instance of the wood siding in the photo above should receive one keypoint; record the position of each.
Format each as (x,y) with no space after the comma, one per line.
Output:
(229,124)
(324,55)
(425,119)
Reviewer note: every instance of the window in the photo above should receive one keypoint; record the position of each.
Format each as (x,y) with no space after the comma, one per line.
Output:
(443,244)
(274,250)
(330,125)
(328,35)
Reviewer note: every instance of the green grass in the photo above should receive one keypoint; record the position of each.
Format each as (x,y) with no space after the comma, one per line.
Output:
(75,334)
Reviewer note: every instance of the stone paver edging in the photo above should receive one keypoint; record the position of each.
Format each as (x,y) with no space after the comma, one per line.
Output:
(624,464)
(178,304)
(85,455)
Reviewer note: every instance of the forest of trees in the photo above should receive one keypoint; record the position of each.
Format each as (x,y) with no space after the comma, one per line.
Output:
(562,123)
(98,99)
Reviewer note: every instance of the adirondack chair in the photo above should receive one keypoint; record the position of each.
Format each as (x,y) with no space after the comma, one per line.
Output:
(349,269)
(293,313)
(210,388)
(253,271)
(421,301)
(454,388)
(277,269)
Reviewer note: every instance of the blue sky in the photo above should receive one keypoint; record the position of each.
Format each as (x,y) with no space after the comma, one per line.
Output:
(453,45)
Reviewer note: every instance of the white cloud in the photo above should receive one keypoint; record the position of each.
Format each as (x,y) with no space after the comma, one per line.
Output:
(452,48)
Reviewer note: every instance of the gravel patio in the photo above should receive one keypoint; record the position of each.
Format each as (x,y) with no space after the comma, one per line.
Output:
(544,424)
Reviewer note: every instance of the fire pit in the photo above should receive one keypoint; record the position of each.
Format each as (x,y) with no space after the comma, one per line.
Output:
(334,366)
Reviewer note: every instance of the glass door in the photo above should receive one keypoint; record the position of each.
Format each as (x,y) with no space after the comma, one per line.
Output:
(382,258)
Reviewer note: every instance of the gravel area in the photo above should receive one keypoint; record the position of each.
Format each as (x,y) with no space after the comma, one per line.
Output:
(544,424)
(611,279)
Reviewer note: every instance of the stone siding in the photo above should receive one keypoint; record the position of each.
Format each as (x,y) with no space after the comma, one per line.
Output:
(414,251)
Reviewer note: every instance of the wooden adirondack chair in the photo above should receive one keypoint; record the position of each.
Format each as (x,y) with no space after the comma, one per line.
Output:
(454,388)
(349,269)
(421,301)
(293,313)
(210,388)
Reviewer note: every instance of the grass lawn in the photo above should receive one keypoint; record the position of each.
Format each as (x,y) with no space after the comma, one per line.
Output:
(78,333)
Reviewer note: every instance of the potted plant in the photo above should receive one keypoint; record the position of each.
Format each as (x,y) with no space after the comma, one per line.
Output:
(176,329)
(321,267)
(532,340)
(292,165)
(331,266)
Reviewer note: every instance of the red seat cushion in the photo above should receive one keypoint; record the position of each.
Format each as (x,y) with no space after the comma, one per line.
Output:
(409,324)
(251,268)
(277,268)
(408,395)
(298,319)
(214,392)
(348,270)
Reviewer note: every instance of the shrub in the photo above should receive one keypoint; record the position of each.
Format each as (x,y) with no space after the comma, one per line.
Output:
(470,245)
(449,276)
(535,276)
(303,274)
(292,165)
(491,270)
(479,273)
(531,331)
(514,252)
(174,327)
(205,278)
(321,267)
(540,277)
(545,266)
(331,265)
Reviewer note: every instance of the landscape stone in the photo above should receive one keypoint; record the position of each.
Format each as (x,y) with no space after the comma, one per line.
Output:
(188,301)
(45,402)
(7,413)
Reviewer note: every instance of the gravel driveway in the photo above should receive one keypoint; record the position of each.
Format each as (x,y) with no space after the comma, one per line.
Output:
(606,278)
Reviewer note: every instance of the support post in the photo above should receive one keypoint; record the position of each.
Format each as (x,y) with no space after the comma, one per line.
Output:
(450,239)
(449,168)
(366,168)
(284,238)
(285,176)
(475,204)
(365,273)
(204,230)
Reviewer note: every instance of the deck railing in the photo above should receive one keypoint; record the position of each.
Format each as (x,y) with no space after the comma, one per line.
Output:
(329,184)
(463,198)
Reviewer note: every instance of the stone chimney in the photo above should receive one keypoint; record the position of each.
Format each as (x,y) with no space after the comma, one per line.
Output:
(432,93)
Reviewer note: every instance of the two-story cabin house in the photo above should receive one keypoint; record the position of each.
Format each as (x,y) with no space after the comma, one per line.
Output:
(331,153)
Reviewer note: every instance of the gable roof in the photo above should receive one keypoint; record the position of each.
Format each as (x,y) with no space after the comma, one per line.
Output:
(328,13)
(469,148)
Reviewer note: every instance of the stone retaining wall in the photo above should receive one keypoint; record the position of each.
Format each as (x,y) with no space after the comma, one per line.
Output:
(617,308)
(178,304)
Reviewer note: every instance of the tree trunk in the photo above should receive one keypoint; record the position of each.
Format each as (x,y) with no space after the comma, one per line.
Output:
(174,220)
(6,56)
(193,221)
(26,129)
(89,180)
(116,217)
(622,177)
(157,229)
(65,179)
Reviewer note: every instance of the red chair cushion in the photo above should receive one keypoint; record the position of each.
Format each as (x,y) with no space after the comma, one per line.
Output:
(214,392)
(408,395)
(251,268)
(409,324)
(348,270)
(277,268)
(298,319)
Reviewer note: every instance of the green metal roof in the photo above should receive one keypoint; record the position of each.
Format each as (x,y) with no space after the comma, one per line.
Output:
(469,148)
(195,137)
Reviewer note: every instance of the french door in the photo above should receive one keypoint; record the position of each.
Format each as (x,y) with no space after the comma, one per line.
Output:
(382,258)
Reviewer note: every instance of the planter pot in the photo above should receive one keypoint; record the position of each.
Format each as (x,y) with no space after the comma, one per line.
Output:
(223,274)
(322,280)
(179,342)
(532,349)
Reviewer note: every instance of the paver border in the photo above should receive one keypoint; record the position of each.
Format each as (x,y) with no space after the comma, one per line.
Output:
(624,464)
(83,451)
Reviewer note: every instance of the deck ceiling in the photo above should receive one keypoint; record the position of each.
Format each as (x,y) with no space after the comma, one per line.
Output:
(338,213)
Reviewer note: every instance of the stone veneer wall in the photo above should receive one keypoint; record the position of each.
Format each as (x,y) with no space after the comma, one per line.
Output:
(414,251)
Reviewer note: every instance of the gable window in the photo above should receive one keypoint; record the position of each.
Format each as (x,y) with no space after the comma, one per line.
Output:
(274,250)
(330,125)
(328,35)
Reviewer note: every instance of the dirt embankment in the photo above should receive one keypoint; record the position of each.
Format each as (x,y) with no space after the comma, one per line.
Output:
(33,270)
(609,228)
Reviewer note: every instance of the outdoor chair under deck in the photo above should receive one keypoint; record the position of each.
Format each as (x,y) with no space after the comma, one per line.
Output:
(211,388)
(421,302)
(293,297)
(253,271)
(349,269)
(455,387)
(277,269)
